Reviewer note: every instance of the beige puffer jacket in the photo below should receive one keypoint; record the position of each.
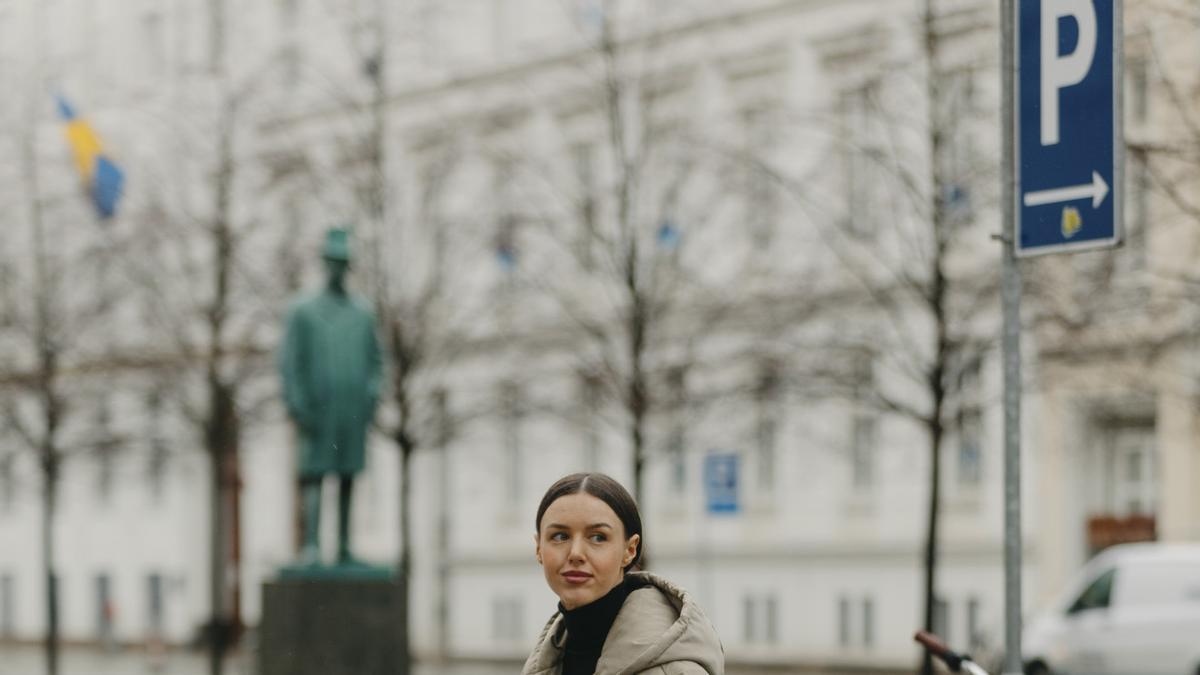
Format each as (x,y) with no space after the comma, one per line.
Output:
(660,630)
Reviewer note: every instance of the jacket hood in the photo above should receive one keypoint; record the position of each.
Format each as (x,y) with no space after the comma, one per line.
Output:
(657,625)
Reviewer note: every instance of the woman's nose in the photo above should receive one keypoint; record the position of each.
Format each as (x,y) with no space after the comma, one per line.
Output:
(576,552)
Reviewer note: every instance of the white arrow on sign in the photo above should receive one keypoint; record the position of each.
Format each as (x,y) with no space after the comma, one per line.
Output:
(1097,190)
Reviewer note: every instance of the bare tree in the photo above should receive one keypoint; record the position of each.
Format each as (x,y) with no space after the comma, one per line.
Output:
(614,231)
(208,305)
(914,181)
(58,292)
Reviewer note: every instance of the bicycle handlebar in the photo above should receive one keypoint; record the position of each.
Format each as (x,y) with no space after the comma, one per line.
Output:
(932,643)
(939,649)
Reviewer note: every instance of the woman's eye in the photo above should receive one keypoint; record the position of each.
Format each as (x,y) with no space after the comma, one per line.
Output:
(599,538)
(558,536)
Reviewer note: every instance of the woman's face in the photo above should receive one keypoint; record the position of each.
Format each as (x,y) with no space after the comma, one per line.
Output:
(582,549)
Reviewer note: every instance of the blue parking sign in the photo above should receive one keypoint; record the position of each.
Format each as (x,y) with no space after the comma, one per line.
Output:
(1068,125)
(721,483)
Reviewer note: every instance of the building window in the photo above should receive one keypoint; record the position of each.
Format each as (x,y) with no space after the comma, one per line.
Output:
(590,396)
(941,620)
(590,16)
(868,621)
(861,377)
(506,242)
(155,613)
(8,603)
(289,12)
(105,610)
(156,470)
(106,448)
(154,44)
(8,481)
(843,613)
(760,194)
(974,632)
(56,589)
(767,395)
(956,161)
(8,282)
(583,162)
(505,233)
(1137,89)
(1131,471)
(970,453)
(749,628)
(434,174)
(760,619)
(442,425)
(512,413)
(506,618)
(970,423)
(1133,259)
(677,430)
(865,177)
(290,69)
(156,466)
(862,451)
(772,633)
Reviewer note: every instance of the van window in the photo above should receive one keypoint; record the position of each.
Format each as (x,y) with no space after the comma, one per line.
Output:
(1096,595)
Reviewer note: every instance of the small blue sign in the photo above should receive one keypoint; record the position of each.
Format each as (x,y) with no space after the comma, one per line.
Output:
(1068,125)
(721,482)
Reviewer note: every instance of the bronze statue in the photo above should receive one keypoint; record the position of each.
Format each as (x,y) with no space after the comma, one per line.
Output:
(332,373)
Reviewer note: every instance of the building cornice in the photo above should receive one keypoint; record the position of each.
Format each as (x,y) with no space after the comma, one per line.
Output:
(572,57)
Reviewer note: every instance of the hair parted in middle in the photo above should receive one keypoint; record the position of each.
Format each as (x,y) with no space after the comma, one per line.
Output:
(607,490)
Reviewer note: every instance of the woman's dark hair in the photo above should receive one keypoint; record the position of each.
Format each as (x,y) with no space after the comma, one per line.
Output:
(605,489)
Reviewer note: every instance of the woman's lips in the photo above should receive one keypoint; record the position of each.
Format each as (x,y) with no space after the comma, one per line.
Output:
(576,577)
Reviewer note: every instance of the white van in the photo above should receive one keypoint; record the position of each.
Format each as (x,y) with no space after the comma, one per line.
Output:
(1133,610)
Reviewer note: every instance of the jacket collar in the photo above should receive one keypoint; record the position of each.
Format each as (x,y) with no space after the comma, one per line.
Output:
(654,626)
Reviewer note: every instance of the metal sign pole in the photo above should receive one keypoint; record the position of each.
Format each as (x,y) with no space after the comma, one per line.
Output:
(1011,299)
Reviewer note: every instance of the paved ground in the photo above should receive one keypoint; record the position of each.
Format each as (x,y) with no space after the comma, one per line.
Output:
(28,660)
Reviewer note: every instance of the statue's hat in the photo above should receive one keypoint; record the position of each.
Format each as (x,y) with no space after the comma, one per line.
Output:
(337,244)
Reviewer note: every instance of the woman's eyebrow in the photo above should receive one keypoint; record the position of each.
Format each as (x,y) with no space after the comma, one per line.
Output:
(560,526)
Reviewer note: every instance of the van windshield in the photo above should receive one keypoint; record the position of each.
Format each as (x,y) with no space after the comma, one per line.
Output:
(1096,595)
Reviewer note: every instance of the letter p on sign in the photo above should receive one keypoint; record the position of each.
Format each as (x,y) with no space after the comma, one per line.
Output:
(1060,71)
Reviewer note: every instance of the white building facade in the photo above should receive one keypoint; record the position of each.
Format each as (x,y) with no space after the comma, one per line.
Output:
(753,157)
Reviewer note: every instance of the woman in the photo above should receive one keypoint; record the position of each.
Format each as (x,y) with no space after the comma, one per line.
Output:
(611,620)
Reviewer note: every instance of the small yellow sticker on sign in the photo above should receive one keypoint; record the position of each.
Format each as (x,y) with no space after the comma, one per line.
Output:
(1071,221)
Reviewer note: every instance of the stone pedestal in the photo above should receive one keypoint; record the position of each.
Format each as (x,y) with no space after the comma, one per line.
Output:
(322,625)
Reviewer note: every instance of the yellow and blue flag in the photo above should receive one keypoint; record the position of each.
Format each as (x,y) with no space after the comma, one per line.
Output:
(102,178)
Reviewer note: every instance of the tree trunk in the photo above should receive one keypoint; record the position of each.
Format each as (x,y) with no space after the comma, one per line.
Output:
(937,301)
(49,495)
(931,541)
(216,633)
(222,433)
(404,573)
(45,292)
(223,448)
(443,595)
(638,399)
(48,356)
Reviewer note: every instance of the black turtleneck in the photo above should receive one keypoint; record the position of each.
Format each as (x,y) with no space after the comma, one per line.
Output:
(588,626)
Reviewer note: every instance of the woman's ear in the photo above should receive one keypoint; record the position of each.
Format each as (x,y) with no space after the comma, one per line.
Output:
(537,547)
(631,546)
